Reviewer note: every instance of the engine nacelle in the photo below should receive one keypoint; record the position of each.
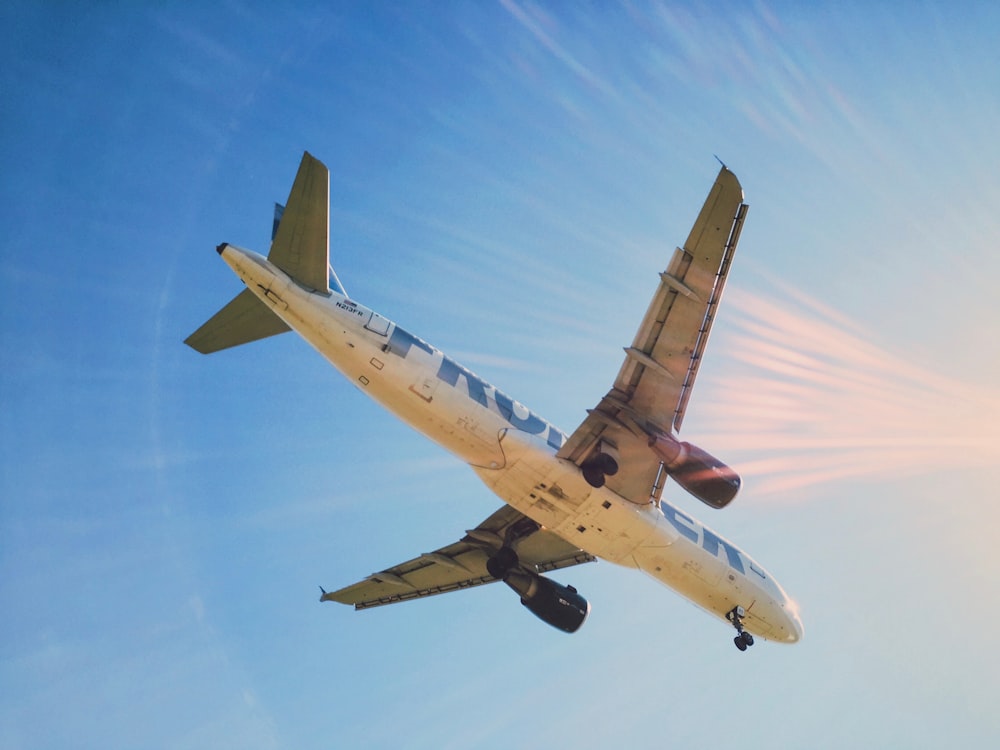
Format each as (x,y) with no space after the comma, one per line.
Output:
(560,606)
(697,471)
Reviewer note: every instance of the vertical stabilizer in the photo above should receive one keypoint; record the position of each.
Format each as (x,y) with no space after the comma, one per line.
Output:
(301,245)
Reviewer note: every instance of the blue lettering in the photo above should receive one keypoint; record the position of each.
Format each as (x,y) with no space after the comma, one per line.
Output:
(509,408)
(449,373)
(556,438)
(478,389)
(402,341)
(710,542)
(674,516)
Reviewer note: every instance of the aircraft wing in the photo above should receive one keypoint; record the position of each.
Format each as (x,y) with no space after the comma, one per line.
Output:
(462,565)
(651,392)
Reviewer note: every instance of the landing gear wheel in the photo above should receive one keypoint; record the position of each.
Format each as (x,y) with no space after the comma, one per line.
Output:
(593,475)
(504,561)
(597,467)
(606,463)
(743,639)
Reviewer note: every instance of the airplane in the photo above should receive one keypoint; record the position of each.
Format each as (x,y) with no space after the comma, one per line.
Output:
(567,498)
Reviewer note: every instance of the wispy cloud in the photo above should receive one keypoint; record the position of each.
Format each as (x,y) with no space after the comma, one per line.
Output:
(533,20)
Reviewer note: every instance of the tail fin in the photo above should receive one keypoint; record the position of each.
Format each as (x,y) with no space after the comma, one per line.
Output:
(300,246)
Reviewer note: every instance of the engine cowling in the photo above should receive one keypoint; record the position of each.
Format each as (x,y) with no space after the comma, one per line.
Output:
(560,606)
(696,470)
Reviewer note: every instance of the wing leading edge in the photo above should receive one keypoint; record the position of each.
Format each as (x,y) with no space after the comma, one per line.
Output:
(462,565)
(651,392)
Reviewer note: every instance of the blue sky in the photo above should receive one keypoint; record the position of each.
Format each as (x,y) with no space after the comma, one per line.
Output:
(506,180)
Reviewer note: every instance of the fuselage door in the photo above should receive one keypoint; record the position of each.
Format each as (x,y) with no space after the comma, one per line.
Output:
(377,324)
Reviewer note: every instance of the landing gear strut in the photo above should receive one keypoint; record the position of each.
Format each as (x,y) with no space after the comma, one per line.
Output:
(743,639)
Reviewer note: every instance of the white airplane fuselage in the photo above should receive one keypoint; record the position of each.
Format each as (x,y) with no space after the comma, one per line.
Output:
(513,451)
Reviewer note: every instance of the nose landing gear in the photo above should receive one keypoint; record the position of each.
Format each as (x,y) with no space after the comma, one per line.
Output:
(743,639)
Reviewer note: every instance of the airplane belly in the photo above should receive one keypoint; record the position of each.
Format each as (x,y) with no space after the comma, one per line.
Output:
(413,396)
(444,417)
(690,572)
(553,493)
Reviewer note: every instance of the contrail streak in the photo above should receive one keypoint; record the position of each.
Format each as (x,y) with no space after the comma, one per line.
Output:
(808,399)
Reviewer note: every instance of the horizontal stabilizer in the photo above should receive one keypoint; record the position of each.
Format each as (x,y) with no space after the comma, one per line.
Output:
(243,320)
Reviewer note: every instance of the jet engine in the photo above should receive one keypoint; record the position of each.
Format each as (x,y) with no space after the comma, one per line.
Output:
(697,471)
(560,606)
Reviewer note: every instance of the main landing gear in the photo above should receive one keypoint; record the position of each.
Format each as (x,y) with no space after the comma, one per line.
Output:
(503,562)
(743,639)
(599,466)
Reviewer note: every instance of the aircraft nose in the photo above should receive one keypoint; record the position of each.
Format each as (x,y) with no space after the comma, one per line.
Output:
(794,619)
